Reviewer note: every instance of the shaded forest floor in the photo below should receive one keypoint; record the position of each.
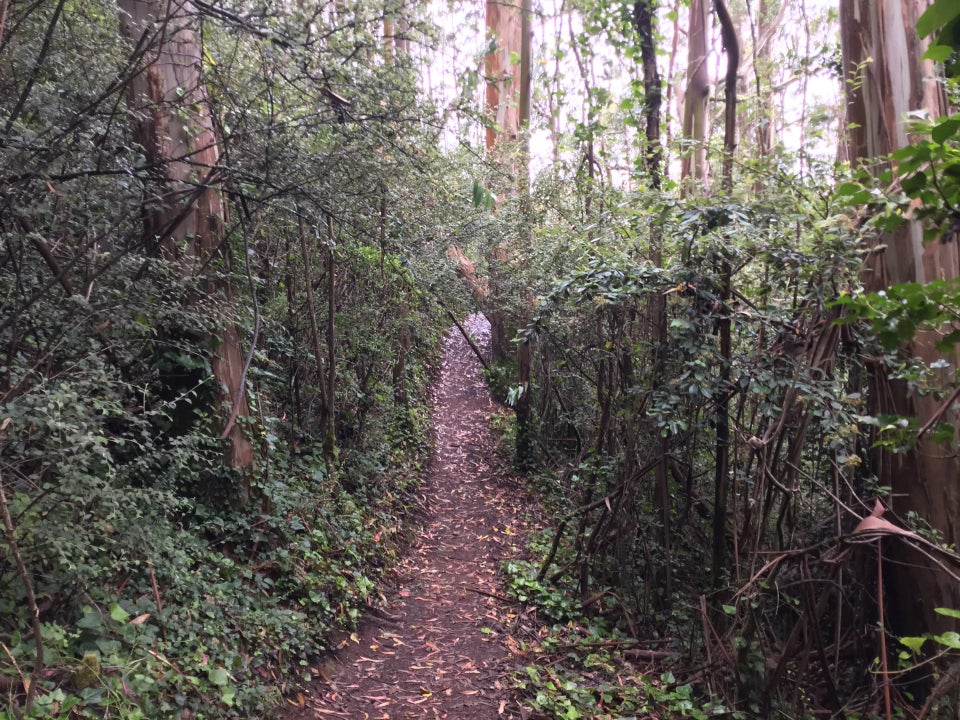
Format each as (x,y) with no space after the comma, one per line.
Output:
(442,647)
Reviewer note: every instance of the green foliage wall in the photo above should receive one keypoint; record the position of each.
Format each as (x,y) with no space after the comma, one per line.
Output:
(626,407)
(158,590)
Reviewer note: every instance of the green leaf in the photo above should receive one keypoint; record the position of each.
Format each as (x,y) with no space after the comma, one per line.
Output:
(942,432)
(90,621)
(849,188)
(938,53)
(945,129)
(67,704)
(917,154)
(936,16)
(218,676)
(119,614)
(949,612)
(914,183)
(729,609)
(949,639)
(914,643)
(860,198)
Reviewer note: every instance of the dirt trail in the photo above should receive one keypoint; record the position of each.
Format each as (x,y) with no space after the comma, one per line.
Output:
(444,648)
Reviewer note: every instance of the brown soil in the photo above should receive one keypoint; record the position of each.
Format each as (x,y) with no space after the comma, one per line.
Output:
(442,647)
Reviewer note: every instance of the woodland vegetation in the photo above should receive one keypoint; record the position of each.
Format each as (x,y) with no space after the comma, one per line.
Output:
(717,245)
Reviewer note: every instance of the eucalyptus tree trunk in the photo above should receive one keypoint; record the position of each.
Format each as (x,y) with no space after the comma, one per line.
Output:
(885,80)
(524,449)
(503,99)
(694,162)
(505,26)
(766,29)
(185,214)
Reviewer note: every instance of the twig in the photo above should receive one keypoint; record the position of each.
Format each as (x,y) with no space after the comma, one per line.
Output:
(814,611)
(384,617)
(242,383)
(34,74)
(24,576)
(548,561)
(631,625)
(466,336)
(713,631)
(3,18)
(312,315)
(705,622)
(940,689)
(185,676)
(606,500)
(16,665)
(502,598)
(884,668)
(47,254)
(650,655)
(626,643)
(759,573)
(939,413)
(153,585)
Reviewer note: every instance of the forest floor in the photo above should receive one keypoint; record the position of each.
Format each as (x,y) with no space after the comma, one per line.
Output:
(442,647)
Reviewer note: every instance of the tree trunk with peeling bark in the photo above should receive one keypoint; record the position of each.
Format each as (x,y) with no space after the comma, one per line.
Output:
(504,25)
(185,214)
(886,80)
(503,99)
(766,30)
(694,162)
(524,449)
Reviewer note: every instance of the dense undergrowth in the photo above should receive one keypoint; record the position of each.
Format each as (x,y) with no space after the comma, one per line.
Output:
(722,393)
(143,572)
(160,594)
(768,604)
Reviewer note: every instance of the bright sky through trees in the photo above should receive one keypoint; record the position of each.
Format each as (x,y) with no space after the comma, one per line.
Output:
(577,69)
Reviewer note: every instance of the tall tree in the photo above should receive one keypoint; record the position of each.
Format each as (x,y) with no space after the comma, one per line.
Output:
(644,21)
(885,81)
(764,31)
(504,23)
(505,35)
(185,214)
(644,14)
(696,94)
(525,453)
(731,45)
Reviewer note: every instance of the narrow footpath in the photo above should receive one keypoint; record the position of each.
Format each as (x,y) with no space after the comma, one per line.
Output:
(443,647)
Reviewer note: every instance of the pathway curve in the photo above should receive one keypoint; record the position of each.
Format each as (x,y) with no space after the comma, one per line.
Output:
(443,647)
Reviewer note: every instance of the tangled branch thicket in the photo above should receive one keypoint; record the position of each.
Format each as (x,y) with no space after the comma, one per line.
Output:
(771,591)
(196,587)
